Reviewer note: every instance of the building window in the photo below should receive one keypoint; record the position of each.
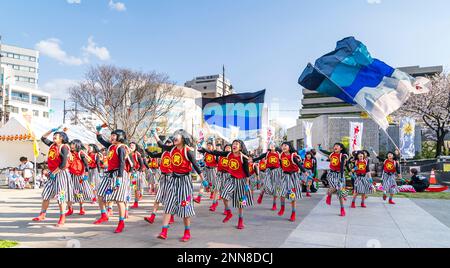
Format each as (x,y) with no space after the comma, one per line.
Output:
(45,114)
(39,100)
(20,96)
(35,113)
(326,105)
(24,110)
(14,110)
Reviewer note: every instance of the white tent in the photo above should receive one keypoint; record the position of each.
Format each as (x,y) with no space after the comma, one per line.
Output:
(12,149)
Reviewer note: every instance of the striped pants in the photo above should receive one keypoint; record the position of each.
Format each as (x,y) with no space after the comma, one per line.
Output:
(291,186)
(110,192)
(363,184)
(94,178)
(211,177)
(60,188)
(162,191)
(262,177)
(179,200)
(253,182)
(82,189)
(151,176)
(308,178)
(235,190)
(221,176)
(389,183)
(337,183)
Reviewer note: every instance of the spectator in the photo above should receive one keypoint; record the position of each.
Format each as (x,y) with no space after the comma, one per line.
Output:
(41,179)
(419,183)
(26,169)
(15,180)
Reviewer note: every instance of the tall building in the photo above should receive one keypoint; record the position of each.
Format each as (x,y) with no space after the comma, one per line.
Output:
(19,76)
(211,86)
(331,119)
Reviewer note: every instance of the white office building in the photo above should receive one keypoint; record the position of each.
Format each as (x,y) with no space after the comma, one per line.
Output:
(211,86)
(19,76)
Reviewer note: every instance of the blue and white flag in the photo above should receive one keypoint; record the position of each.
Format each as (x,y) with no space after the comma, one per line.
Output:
(352,75)
(407,136)
(237,116)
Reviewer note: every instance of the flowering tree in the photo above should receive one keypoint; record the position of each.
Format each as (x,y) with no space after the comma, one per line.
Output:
(433,109)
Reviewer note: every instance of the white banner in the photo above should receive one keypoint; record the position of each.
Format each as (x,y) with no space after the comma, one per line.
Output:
(407,136)
(356,131)
(307,129)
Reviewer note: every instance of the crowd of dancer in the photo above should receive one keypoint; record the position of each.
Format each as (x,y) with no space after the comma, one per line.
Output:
(120,173)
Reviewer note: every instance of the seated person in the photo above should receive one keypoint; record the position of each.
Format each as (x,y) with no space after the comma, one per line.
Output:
(419,183)
(15,180)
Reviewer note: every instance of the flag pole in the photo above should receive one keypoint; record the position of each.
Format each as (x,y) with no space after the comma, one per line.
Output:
(348,95)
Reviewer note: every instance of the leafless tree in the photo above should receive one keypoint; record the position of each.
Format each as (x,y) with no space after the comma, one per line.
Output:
(433,109)
(126,99)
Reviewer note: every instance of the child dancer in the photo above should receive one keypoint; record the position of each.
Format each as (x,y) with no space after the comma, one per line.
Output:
(79,170)
(179,199)
(152,175)
(115,187)
(335,176)
(391,170)
(291,188)
(210,176)
(95,168)
(59,185)
(273,174)
(137,181)
(253,172)
(237,188)
(363,182)
(262,168)
(310,166)
(166,173)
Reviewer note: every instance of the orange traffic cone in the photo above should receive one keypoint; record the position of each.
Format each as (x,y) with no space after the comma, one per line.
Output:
(433,178)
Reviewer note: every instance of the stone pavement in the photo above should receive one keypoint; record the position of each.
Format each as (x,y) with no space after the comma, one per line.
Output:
(380,225)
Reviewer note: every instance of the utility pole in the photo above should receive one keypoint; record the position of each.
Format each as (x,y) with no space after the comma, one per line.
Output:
(64,113)
(223,82)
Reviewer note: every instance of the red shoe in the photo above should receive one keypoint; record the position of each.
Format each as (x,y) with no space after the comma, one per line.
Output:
(198,200)
(391,202)
(281,212)
(69,212)
(40,218)
(82,212)
(274,207)
(163,235)
(150,219)
(241,224)
(172,219)
(187,236)
(213,207)
(94,200)
(384,197)
(308,194)
(120,227)
(353,205)
(135,205)
(212,196)
(62,221)
(228,217)
(363,205)
(293,217)
(329,200)
(225,212)
(342,212)
(103,218)
(260,199)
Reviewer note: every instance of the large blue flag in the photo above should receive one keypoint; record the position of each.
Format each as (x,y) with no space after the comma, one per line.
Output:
(352,75)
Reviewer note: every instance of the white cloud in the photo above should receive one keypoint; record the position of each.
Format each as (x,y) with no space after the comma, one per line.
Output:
(102,53)
(59,88)
(77,2)
(51,48)
(118,6)
(374,2)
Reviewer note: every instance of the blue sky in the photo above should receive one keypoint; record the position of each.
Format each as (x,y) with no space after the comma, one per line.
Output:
(263,43)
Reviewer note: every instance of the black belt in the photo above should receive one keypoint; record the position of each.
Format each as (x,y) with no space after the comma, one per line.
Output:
(237,178)
(210,167)
(272,168)
(167,174)
(289,173)
(176,175)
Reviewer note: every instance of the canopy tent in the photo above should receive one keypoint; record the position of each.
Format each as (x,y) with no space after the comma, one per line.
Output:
(17,141)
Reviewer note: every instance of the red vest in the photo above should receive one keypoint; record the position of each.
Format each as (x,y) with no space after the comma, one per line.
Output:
(308,164)
(166,163)
(134,158)
(180,162)
(54,157)
(335,162)
(153,164)
(251,169)
(287,163)
(389,166)
(92,160)
(223,164)
(76,166)
(273,160)
(210,160)
(113,158)
(235,166)
(262,165)
(361,167)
